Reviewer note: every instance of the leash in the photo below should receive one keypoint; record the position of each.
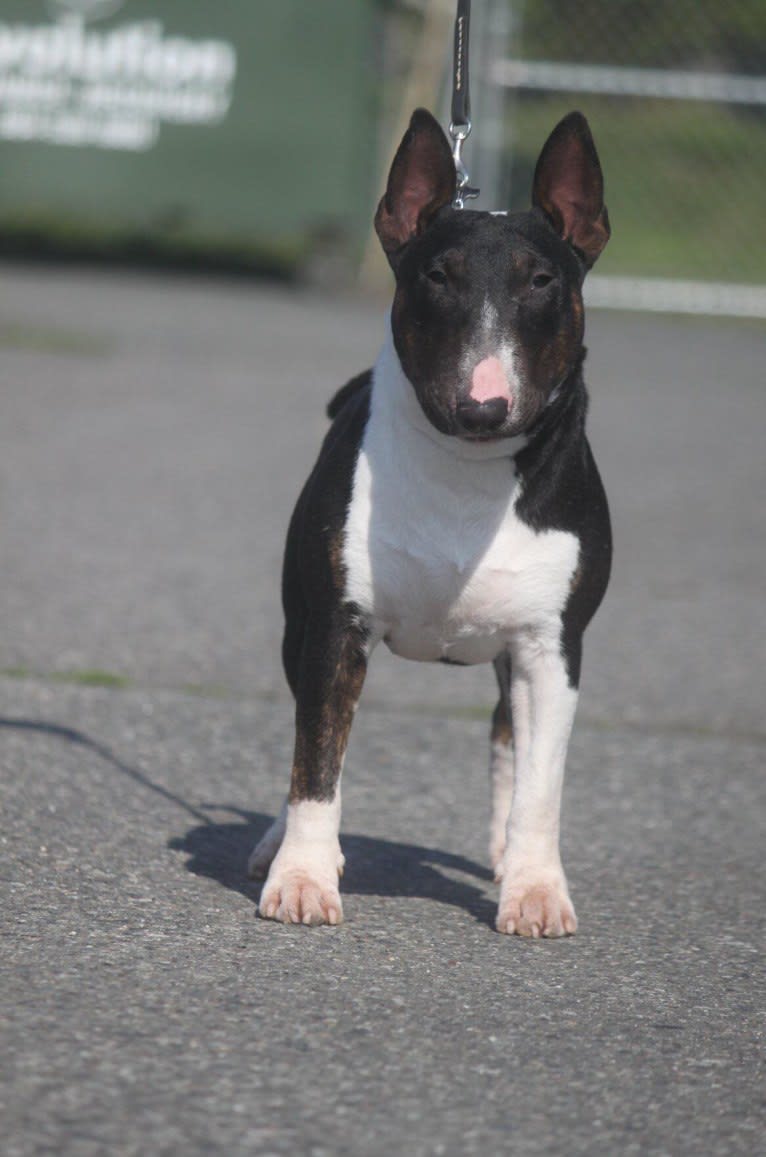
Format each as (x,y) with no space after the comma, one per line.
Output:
(460,119)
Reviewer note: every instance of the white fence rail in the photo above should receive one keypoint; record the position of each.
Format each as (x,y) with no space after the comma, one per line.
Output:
(661,295)
(663,84)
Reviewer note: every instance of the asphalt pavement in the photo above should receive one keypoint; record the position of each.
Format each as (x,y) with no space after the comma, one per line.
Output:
(154,433)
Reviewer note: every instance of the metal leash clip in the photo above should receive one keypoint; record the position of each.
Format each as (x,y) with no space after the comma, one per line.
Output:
(464,191)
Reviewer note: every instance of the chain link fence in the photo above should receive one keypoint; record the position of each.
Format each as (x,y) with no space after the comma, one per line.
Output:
(676,98)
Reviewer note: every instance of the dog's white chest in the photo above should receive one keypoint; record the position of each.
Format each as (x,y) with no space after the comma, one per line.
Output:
(435,556)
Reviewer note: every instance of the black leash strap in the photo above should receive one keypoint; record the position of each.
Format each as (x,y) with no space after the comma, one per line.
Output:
(460,122)
(461,96)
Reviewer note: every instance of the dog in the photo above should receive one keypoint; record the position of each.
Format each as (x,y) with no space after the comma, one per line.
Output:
(455,513)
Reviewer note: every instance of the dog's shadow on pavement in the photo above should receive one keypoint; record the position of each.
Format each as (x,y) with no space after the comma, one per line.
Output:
(219,850)
(374,867)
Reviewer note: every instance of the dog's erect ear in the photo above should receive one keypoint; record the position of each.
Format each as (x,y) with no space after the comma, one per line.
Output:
(569,187)
(422,180)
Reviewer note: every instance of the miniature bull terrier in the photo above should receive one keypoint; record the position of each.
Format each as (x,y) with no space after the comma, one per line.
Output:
(456,514)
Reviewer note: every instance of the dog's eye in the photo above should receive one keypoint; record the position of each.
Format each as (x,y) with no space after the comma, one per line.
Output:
(540,280)
(437,276)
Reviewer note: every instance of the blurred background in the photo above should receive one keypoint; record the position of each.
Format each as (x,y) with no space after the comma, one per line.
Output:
(257,135)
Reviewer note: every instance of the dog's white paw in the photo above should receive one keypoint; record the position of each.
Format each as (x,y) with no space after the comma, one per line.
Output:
(266,849)
(303,889)
(300,897)
(535,905)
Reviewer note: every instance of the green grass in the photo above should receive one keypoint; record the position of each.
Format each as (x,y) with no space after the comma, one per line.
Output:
(207,690)
(39,339)
(94,678)
(86,678)
(684,182)
(60,236)
(17,673)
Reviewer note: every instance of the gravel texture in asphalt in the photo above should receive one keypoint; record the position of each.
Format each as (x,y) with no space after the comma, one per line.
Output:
(155,433)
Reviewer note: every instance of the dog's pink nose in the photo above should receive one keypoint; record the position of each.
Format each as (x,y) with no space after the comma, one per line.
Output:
(489,381)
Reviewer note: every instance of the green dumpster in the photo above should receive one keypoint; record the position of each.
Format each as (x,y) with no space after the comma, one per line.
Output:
(242,131)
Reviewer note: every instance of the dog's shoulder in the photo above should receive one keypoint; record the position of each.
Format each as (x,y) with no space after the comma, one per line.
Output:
(316,528)
(361,382)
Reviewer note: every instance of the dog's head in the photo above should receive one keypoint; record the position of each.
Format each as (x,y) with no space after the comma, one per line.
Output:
(488,317)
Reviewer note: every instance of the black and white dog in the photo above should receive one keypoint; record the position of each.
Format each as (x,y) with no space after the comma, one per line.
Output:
(456,513)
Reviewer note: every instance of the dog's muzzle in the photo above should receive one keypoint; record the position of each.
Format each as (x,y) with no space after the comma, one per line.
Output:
(481,419)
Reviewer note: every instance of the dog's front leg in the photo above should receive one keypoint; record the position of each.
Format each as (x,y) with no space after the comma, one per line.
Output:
(534,898)
(302,885)
(500,766)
